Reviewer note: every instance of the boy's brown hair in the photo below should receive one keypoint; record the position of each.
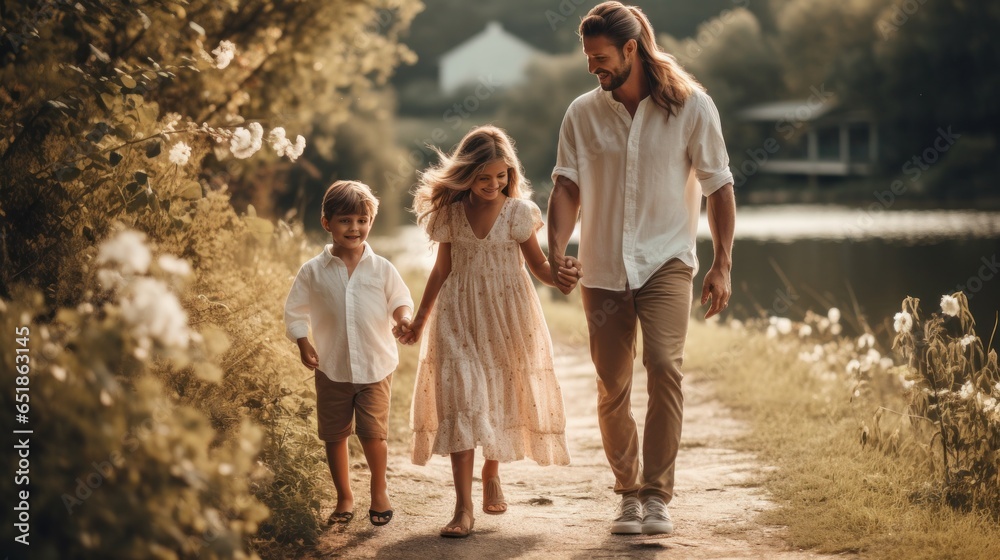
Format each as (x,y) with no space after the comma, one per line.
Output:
(349,197)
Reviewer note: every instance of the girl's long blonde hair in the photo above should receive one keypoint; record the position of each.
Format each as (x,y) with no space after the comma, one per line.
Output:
(669,84)
(450,180)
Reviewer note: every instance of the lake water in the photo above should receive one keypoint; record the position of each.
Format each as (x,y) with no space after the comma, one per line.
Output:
(789,259)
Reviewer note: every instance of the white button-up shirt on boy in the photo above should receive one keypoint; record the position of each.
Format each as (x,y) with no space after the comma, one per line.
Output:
(641,180)
(351,317)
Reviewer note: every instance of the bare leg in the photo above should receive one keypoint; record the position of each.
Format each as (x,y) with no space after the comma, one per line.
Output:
(461,470)
(376,453)
(338,457)
(491,469)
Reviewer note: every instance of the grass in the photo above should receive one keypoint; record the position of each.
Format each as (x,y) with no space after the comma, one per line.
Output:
(834,495)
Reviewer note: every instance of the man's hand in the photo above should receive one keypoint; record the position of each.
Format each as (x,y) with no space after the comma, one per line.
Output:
(717,288)
(307,353)
(566,272)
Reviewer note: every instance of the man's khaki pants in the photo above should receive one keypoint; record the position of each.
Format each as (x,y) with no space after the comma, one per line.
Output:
(662,307)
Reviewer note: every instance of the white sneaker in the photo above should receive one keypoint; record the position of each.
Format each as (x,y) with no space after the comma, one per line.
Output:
(656,518)
(629,520)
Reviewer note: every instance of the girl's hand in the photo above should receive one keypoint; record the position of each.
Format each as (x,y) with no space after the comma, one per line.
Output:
(410,334)
(402,328)
(570,270)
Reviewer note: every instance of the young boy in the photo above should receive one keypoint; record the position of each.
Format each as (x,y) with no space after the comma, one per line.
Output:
(355,301)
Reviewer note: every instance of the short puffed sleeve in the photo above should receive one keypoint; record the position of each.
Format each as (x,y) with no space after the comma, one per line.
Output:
(439,225)
(526,221)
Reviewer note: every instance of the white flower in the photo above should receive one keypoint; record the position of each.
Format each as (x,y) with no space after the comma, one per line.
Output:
(278,140)
(866,341)
(170,121)
(736,325)
(967,390)
(903,322)
(873,355)
(283,146)
(127,253)
(246,141)
(224,54)
(784,325)
(295,151)
(180,153)
(172,265)
(950,306)
(885,363)
(906,383)
(833,314)
(967,340)
(835,329)
(805,331)
(772,332)
(853,367)
(989,405)
(59,373)
(153,312)
(110,279)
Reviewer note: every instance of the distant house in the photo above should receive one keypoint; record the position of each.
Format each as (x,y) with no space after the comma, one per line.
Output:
(493,53)
(814,138)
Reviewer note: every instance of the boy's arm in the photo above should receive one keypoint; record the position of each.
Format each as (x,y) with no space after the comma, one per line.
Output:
(297,308)
(440,272)
(397,295)
(402,317)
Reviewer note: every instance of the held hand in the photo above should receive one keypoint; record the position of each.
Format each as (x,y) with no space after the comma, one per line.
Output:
(566,272)
(717,288)
(308,354)
(410,333)
(402,327)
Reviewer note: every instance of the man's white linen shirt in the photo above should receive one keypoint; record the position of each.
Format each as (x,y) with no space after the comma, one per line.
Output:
(641,180)
(351,316)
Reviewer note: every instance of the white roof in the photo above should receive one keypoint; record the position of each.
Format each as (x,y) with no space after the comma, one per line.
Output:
(492,53)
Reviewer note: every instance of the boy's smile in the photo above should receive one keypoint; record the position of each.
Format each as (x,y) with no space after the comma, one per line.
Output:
(348,231)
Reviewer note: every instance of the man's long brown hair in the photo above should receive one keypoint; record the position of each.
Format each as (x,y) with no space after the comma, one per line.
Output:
(670,85)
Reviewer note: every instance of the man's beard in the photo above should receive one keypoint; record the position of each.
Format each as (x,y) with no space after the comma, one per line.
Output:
(616,80)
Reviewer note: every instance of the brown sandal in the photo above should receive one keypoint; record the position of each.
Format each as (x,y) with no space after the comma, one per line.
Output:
(463,530)
(493,497)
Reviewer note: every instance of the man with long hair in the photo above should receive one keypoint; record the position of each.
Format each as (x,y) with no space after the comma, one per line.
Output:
(635,158)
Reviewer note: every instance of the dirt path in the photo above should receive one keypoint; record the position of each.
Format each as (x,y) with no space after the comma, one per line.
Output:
(563,512)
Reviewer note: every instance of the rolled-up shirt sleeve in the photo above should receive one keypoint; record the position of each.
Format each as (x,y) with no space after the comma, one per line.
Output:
(297,307)
(707,148)
(566,155)
(396,292)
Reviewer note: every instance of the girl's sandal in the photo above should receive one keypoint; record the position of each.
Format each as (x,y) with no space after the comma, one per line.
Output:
(493,497)
(340,517)
(462,531)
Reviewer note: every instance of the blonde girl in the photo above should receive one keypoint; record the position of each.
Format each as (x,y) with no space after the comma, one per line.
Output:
(485,376)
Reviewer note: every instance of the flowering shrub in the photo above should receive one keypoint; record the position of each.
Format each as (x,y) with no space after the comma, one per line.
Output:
(118,468)
(954,385)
